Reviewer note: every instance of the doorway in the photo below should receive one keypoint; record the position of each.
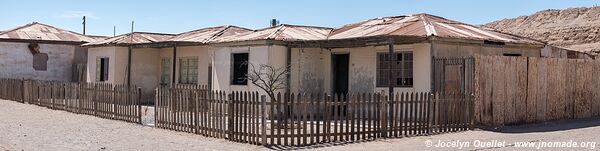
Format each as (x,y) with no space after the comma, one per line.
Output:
(340,78)
(340,70)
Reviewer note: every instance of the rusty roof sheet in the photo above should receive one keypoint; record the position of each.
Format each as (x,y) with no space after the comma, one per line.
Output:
(132,38)
(205,35)
(284,32)
(98,37)
(423,25)
(39,31)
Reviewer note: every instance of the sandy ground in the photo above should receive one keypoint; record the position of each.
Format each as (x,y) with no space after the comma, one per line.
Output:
(586,132)
(29,127)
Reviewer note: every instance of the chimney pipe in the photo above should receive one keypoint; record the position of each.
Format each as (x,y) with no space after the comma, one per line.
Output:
(274,22)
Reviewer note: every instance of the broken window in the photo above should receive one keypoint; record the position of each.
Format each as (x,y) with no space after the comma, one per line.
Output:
(188,70)
(239,67)
(165,69)
(102,69)
(40,61)
(401,70)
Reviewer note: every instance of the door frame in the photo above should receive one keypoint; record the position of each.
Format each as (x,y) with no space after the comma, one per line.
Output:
(332,70)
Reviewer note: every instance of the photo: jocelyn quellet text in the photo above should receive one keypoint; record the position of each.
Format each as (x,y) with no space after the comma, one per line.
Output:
(458,144)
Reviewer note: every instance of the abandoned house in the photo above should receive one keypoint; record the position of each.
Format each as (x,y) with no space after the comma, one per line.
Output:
(109,60)
(42,52)
(376,55)
(150,56)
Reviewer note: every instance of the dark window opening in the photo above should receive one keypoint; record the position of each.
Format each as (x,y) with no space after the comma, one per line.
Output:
(239,68)
(40,62)
(571,55)
(512,54)
(102,69)
(401,69)
(487,42)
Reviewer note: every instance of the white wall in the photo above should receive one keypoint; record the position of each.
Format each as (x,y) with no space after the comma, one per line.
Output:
(273,55)
(311,68)
(201,52)
(16,61)
(117,63)
(145,71)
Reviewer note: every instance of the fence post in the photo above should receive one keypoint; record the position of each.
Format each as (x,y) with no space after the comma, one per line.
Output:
(471,104)
(94,97)
(263,110)
(113,101)
(196,98)
(230,116)
(79,97)
(156,104)
(23,91)
(52,95)
(429,112)
(139,104)
(383,99)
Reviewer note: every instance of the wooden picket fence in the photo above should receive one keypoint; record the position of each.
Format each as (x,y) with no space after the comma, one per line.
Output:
(11,89)
(117,102)
(306,119)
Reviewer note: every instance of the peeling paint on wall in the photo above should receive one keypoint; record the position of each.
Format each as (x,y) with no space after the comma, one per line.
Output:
(16,61)
(363,80)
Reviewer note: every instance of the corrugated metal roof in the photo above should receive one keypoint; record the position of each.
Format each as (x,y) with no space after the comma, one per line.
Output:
(205,35)
(423,25)
(282,32)
(132,38)
(98,37)
(39,31)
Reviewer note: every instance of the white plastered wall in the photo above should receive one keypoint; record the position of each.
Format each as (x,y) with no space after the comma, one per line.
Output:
(16,61)
(117,63)
(145,71)
(311,68)
(273,55)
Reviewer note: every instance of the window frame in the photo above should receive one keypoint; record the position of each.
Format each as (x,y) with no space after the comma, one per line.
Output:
(102,69)
(404,77)
(232,80)
(165,70)
(188,70)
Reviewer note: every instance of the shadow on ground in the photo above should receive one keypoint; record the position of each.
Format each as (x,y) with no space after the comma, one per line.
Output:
(315,146)
(547,126)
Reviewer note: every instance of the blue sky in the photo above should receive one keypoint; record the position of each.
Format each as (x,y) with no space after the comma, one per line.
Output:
(175,16)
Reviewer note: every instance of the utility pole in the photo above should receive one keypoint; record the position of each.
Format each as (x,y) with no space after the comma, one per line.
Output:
(114,31)
(132,26)
(83,25)
(129,57)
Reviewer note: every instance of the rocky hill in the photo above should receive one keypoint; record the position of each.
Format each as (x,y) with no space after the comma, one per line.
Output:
(574,28)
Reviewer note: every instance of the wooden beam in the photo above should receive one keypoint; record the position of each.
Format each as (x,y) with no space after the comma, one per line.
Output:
(129,66)
(390,65)
(174,64)
(288,66)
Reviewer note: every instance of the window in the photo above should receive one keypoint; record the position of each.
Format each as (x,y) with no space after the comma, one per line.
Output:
(401,70)
(165,69)
(101,69)
(239,68)
(511,54)
(40,62)
(487,42)
(188,70)
(571,55)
